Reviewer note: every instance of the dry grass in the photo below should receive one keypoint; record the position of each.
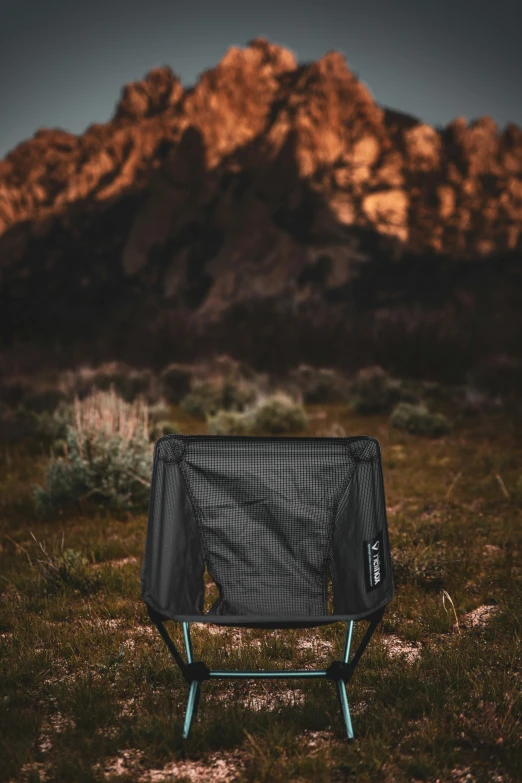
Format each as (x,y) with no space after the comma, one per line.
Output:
(107,414)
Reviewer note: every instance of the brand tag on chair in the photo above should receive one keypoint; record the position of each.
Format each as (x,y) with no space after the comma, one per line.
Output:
(374,561)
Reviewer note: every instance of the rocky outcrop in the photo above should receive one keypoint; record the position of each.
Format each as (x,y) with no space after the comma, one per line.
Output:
(269,187)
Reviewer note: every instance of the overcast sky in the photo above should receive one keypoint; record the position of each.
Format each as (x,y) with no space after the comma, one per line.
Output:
(63,62)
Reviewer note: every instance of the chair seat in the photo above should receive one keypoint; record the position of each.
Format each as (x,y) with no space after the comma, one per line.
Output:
(273,520)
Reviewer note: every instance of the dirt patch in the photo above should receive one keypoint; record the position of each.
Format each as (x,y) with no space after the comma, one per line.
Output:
(480,616)
(218,767)
(258,697)
(396,647)
(269,701)
(315,644)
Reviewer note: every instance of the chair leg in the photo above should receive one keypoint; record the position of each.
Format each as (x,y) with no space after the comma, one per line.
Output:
(345,708)
(192,699)
(188,642)
(195,685)
(341,686)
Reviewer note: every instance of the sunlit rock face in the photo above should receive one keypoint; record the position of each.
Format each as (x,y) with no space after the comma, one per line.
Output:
(270,183)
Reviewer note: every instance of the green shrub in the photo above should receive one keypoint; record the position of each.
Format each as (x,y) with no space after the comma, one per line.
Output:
(229,423)
(208,397)
(374,391)
(175,382)
(204,399)
(279,413)
(320,385)
(106,457)
(418,420)
(237,396)
(408,390)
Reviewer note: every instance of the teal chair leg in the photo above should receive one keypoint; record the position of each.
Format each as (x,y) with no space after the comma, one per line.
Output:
(345,708)
(341,686)
(195,686)
(188,642)
(192,699)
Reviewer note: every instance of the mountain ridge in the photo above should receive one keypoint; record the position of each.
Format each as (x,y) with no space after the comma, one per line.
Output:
(269,183)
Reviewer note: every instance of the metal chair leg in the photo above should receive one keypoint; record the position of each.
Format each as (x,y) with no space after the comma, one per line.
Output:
(195,685)
(188,642)
(193,695)
(341,686)
(343,698)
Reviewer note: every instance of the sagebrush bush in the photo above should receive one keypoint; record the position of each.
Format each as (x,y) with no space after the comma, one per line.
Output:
(279,413)
(374,391)
(229,423)
(203,400)
(321,385)
(208,397)
(238,396)
(418,420)
(106,456)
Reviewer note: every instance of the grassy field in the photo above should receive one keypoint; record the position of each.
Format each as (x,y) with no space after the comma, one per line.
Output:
(88,691)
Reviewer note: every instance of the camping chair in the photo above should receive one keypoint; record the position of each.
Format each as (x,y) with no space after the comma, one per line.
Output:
(272,519)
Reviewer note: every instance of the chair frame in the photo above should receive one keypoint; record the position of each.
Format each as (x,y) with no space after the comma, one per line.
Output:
(195,672)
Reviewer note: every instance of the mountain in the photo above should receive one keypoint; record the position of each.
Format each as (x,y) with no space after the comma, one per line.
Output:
(274,210)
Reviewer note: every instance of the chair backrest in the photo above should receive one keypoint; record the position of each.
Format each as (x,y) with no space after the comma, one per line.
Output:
(272,519)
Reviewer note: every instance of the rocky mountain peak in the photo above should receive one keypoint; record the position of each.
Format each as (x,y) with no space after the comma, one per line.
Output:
(157,93)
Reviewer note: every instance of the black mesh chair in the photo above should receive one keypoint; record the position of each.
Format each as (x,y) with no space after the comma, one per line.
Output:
(273,519)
